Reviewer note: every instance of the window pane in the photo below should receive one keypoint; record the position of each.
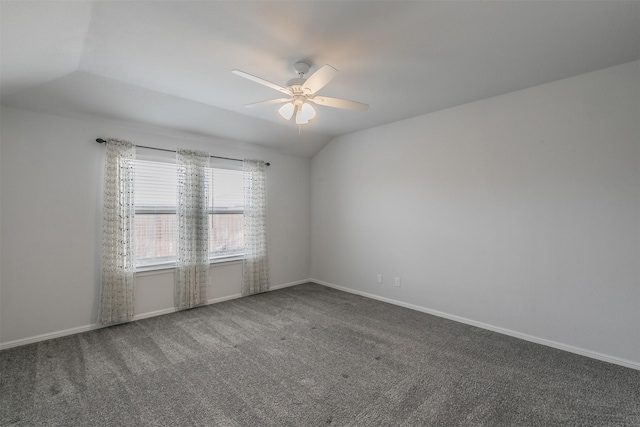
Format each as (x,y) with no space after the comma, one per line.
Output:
(155,185)
(156,238)
(226,234)
(228,190)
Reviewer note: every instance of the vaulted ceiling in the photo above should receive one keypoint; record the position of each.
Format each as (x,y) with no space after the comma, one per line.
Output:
(168,63)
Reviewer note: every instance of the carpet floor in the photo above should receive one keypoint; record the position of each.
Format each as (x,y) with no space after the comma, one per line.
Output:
(308,356)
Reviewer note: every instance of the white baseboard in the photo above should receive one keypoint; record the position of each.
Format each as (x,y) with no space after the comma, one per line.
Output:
(153,314)
(225,298)
(91,327)
(286,285)
(48,336)
(498,329)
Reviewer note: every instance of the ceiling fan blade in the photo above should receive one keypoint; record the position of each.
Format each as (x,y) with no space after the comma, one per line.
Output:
(269,102)
(344,104)
(319,79)
(261,81)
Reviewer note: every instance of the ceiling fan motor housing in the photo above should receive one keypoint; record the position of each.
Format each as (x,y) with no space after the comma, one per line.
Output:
(296,84)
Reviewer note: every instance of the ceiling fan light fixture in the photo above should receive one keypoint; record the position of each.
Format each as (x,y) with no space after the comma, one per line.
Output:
(301,91)
(286,111)
(306,113)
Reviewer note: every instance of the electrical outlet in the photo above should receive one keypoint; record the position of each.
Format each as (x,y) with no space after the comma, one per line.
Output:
(379,278)
(397,281)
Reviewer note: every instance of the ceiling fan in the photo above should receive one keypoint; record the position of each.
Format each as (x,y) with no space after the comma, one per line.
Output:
(301,93)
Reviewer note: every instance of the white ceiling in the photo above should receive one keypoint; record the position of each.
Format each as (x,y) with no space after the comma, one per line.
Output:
(168,62)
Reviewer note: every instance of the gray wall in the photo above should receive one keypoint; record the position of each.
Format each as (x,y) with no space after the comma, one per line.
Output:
(519,212)
(51,179)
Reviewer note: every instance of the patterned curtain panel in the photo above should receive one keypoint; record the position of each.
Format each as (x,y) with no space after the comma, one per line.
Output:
(118,265)
(192,267)
(255,277)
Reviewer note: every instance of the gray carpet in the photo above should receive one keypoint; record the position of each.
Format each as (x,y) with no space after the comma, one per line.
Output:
(308,356)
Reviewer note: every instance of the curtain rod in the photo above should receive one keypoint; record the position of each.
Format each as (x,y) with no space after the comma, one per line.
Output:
(102,141)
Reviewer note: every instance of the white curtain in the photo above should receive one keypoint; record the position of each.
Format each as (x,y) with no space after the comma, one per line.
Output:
(192,266)
(255,265)
(118,265)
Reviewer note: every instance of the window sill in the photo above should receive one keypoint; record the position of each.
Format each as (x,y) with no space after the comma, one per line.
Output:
(163,268)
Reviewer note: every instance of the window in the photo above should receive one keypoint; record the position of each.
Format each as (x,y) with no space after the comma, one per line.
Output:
(156,225)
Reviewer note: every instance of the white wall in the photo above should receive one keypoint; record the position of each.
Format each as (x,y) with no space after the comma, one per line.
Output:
(519,212)
(51,179)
